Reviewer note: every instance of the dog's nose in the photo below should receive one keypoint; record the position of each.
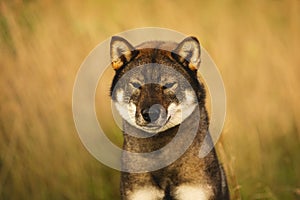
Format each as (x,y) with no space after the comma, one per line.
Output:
(151,114)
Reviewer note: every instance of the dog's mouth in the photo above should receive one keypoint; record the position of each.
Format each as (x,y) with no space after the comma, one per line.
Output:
(156,126)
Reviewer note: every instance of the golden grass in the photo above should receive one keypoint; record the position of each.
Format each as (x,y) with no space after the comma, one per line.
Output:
(254,43)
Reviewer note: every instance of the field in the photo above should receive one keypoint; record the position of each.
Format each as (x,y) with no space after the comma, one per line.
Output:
(255,44)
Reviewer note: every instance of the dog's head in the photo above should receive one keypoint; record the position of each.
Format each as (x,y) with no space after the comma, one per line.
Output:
(155,86)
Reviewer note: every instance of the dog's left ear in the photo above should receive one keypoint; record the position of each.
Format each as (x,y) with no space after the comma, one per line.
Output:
(121,52)
(188,53)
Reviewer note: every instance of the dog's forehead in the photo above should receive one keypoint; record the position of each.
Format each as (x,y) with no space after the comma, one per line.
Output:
(151,55)
(164,45)
(154,65)
(155,55)
(153,72)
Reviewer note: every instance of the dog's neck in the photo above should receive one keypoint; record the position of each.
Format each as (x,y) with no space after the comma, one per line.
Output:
(139,141)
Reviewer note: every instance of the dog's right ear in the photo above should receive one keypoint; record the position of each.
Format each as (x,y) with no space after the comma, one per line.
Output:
(121,52)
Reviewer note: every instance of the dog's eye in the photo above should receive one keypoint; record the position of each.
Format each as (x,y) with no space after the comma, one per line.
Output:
(136,85)
(169,85)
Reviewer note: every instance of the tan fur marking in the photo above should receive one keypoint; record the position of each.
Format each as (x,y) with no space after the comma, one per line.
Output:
(117,64)
(192,67)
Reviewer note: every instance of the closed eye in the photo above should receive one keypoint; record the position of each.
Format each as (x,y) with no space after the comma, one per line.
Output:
(169,85)
(136,85)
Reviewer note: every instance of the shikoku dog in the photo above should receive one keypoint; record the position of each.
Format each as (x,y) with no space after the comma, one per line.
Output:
(157,93)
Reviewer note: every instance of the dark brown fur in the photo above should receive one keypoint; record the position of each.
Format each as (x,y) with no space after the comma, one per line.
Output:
(189,168)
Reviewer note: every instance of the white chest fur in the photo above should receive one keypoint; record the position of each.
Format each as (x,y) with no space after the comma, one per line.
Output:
(149,193)
(189,192)
(183,192)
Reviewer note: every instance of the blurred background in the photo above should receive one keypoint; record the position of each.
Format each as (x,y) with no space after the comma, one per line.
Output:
(42,44)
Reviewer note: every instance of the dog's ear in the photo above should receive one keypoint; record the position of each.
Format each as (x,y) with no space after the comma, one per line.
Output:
(121,52)
(188,53)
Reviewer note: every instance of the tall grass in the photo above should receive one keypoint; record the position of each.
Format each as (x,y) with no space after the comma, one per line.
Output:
(42,44)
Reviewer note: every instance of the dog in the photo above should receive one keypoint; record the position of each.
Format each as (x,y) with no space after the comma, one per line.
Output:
(157,93)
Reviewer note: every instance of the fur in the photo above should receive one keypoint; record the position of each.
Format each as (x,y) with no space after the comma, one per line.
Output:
(156,90)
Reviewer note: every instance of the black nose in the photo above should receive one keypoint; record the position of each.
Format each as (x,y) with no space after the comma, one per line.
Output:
(151,114)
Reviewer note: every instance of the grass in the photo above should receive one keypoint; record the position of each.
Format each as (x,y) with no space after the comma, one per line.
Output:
(42,44)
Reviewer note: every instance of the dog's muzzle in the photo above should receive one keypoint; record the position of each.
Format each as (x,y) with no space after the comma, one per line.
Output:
(154,115)
(151,114)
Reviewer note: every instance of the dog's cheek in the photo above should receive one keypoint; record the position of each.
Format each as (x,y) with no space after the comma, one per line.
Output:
(172,109)
(175,114)
(120,95)
(189,104)
(132,111)
(190,97)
